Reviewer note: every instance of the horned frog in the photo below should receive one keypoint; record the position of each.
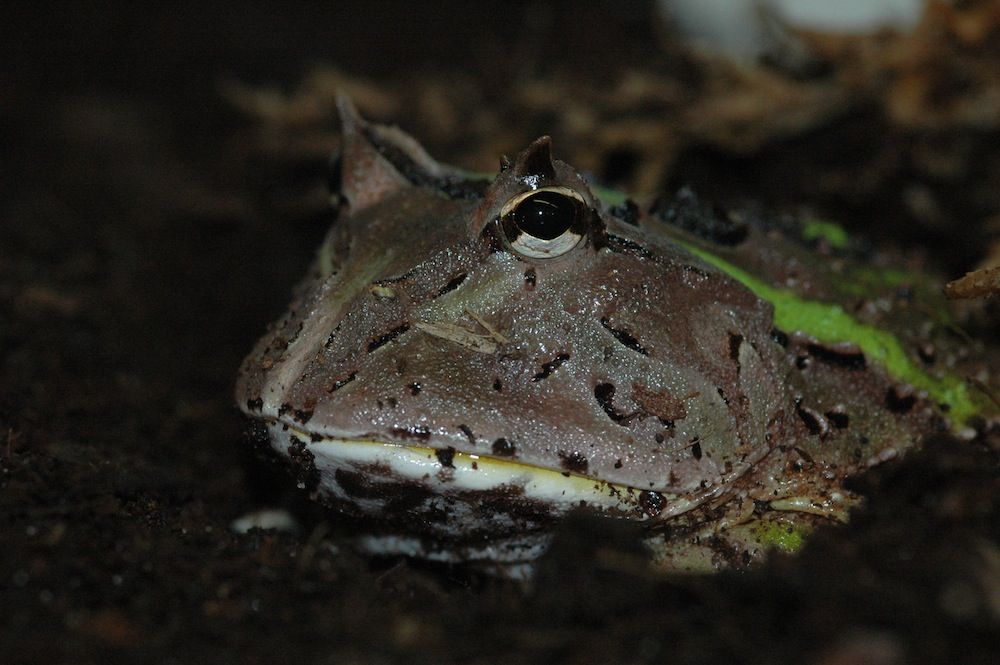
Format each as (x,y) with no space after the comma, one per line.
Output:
(469,360)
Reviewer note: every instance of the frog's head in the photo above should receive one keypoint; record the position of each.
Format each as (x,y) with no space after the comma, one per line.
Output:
(515,346)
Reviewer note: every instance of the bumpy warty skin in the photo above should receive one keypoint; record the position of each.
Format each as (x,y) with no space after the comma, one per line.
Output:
(617,358)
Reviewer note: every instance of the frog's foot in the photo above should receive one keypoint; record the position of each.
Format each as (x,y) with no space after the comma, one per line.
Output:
(835,505)
(733,533)
(792,481)
(735,545)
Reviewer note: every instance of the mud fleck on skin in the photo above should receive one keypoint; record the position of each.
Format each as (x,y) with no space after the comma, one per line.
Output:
(575,462)
(503,448)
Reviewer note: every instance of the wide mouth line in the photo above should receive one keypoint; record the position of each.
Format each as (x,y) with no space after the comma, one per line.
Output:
(448,470)
(463,460)
(467,461)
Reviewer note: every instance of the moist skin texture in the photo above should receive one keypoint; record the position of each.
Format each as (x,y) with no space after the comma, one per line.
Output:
(461,392)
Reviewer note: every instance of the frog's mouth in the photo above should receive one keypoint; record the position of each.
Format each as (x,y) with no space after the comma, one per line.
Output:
(450,473)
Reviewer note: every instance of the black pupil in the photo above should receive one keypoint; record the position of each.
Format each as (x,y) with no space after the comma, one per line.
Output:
(546,215)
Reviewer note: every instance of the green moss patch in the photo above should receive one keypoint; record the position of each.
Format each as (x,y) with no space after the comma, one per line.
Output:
(781,535)
(830,324)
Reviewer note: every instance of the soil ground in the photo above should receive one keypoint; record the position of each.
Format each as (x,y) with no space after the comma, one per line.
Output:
(150,227)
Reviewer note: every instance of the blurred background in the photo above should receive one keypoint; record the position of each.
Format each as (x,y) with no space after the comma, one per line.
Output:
(878,115)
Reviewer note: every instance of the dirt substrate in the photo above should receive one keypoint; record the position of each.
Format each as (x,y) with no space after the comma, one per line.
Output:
(150,226)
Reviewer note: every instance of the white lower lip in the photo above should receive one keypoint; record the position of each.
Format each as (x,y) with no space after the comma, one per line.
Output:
(470,472)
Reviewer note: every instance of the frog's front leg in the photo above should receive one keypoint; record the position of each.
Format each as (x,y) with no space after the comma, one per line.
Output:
(773,508)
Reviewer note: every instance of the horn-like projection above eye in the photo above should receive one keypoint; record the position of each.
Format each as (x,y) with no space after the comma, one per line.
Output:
(534,166)
(544,223)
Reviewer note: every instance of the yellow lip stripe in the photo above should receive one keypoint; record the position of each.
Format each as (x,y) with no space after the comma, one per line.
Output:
(469,471)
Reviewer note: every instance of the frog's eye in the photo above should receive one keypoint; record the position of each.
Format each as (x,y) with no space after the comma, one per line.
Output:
(544,223)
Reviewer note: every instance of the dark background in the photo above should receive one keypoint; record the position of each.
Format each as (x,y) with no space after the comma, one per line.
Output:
(150,226)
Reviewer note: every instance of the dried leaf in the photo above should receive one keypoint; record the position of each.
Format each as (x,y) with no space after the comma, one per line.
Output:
(461,336)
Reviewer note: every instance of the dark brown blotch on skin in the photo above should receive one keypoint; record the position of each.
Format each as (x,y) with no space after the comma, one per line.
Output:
(455,282)
(838,418)
(389,281)
(722,395)
(604,393)
(255,404)
(340,383)
(384,339)
(814,420)
(333,336)
(530,279)
(624,337)
(900,399)
(696,448)
(695,270)
(294,336)
(806,457)
(551,366)
(845,354)
(467,431)
(735,340)
(621,245)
